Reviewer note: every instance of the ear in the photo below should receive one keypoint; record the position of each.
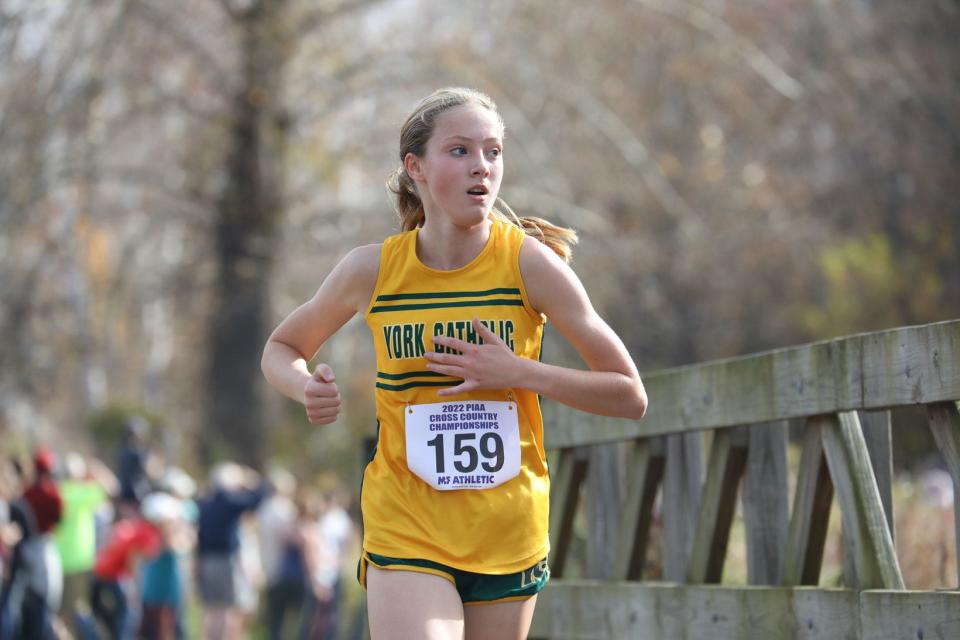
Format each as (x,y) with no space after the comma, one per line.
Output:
(412,164)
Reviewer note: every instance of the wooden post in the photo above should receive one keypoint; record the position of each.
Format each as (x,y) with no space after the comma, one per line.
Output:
(766,512)
(945,424)
(681,501)
(603,495)
(863,518)
(728,458)
(564,496)
(645,472)
(876,431)
(811,512)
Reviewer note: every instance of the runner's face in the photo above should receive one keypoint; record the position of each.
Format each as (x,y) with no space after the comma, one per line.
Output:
(461,169)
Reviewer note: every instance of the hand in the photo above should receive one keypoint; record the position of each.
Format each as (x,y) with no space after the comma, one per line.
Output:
(321,398)
(482,366)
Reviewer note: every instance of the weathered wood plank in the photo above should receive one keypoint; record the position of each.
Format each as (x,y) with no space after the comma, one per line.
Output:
(645,473)
(863,518)
(717,504)
(803,557)
(945,424)
(877,434)
(582,610)
(564,495)
(871,371)
(766,503)
(911,365)
(892,615)
(681,499)
(603,504)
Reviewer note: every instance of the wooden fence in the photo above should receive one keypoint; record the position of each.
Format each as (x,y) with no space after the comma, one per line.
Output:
(843,390)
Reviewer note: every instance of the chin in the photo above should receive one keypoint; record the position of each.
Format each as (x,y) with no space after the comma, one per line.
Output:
(472,218)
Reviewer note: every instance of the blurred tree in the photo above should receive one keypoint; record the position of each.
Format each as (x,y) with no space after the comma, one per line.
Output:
(744,176)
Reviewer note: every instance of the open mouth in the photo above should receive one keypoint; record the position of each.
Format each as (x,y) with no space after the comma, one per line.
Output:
(478,190)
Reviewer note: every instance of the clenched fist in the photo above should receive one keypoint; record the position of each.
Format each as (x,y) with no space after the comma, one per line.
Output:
(321,396)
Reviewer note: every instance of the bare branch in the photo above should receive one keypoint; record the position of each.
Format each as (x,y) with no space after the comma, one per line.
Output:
(563,209)
(145,179)
(713,25)
(207,61)
(632,149)
(322,15)
(228,9)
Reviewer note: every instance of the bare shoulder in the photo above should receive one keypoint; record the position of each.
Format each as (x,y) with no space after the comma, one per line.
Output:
(355,276)
(546,277)
(363,263)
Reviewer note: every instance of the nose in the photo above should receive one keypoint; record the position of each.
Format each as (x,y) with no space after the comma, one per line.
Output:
(480,167)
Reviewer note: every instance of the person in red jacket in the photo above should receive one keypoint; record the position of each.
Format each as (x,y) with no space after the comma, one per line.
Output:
(42,495)
(113,597)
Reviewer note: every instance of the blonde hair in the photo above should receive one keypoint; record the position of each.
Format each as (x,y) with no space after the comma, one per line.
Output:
(414,135)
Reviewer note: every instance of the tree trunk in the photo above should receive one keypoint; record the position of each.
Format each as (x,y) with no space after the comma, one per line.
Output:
(248,218)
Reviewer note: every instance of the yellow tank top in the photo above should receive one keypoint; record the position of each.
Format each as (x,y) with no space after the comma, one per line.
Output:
(496,530)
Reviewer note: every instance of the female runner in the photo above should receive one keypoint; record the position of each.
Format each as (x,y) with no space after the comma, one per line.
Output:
(455,497)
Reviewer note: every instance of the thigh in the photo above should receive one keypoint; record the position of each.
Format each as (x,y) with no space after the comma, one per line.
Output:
(407,604)
(499,621)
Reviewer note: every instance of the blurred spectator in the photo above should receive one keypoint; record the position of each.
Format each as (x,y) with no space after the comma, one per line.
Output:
(33,584)
(132,464)
(113,597)
(85,488)
(36,559)
(43,495)
(276,523)
(163,584)
(179,484)
(10,533)
(252,571)
(21,568)
(317,565)
(335,531)
(223,586)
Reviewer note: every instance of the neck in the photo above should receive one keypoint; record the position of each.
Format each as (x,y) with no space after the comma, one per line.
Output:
(446,246)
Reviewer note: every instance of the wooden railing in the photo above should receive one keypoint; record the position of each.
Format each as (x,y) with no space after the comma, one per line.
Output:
(843,389)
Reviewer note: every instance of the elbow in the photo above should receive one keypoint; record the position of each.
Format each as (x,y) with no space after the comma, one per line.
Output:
(638,406)
(265,363)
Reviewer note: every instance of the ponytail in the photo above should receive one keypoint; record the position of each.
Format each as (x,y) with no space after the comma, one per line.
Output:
(409,206)
(560,240)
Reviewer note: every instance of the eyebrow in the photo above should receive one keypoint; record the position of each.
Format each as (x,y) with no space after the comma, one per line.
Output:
(451,138)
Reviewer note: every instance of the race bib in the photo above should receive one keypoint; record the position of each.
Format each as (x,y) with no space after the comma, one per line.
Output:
(463,445)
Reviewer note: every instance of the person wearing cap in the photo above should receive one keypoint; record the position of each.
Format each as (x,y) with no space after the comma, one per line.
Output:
(43,495)
(162,592)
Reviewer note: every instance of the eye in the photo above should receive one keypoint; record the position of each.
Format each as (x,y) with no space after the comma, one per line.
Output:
(459,150)
(496,152)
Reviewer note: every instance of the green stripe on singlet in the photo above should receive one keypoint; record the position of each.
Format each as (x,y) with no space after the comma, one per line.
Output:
(388,297)
(448,382)
(444,305)
(410,374)
(416,383)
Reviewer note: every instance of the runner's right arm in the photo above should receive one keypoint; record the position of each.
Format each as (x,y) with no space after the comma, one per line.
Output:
(345,292)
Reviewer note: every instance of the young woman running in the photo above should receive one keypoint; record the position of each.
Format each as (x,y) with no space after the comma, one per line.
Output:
(455,498)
